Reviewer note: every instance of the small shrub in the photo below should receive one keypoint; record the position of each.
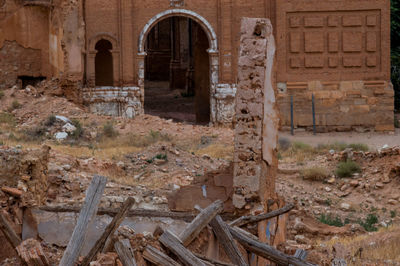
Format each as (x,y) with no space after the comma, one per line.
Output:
(50,121)
(109,131)
(314,174)
(35,134)
(301,146)
(369,223)
(392,214)
(329,220)
(347,169)
(78,132)
(1,94)
(7,118)
(161,156)
(284,144)
(15,105)
(359,147)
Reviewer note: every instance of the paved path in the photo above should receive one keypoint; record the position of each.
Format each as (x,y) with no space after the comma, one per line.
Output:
(373,140)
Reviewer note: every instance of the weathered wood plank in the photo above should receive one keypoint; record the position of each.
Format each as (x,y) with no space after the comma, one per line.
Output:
(265,216)
(212,261)
(89,210)
(125,252)
(110,229)
(201,221)
(9,232)
(221,230)
(184,216)
(172,242)
(266,251)
(31,253)
(158,257)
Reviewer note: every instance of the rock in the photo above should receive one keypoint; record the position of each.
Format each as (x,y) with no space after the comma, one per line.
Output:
(392,202)
(61,135)
(301,239)
(345,206)
(379,185)
(69,128)
(63,119)
(354,183)
(328,189)
(344,187)
(67,167)
(331,180)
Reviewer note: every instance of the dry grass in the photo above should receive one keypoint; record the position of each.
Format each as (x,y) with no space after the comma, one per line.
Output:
(315,173)
(377,247)
(216,150)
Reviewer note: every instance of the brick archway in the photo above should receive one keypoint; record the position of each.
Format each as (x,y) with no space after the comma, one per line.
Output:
(212,51)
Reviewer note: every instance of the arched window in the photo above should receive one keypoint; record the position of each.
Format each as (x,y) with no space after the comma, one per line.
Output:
(104,63)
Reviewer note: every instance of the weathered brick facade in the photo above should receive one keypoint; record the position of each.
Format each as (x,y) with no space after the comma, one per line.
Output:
(336,49)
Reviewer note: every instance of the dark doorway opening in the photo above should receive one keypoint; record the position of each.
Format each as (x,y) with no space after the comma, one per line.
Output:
(104,64)
(177,73)
(29,80)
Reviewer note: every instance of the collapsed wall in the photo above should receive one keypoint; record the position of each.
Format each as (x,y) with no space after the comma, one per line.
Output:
(27,170)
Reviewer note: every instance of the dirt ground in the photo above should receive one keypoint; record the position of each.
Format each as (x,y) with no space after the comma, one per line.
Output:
(149,157)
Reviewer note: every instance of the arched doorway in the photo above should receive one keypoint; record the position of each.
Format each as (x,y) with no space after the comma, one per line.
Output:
(177,82)
(104,75)
(195,41)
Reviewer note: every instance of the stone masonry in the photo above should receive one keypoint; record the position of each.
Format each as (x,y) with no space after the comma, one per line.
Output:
(338,50)
(256,124)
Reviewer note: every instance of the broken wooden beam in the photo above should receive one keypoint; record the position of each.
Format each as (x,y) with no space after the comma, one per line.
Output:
(212,261)
(184,216)
(221,230)
(202,219)
(265,216)
(110,229)
(173,243)
(89,210)
(31,253)
(266,251)
(125,252)
(9,232)
(158,257)
(12,191)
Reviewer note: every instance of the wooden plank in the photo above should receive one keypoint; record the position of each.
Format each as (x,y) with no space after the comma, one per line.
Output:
(201,221)
(184,216)
(110,229)
(265,216)
(172,242)
(12,191)
(125,252)
(300,254)
(212,261)
(221,230)
(31,253)
(89,210)
(158,257)
(266,251)
(9,232)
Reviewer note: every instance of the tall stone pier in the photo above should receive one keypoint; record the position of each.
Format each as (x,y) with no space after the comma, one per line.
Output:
(256,129)
(256,124)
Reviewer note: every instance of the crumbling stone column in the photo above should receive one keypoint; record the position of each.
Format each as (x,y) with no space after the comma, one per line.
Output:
(255,160)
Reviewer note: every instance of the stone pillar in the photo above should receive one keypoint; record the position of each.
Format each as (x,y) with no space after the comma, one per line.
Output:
(256,129)
(214,80)
(175,57)
(141,73)
(256,117)
(91,72)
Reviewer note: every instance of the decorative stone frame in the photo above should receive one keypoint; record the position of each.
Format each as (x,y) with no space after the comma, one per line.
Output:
(91,73)
(212,51)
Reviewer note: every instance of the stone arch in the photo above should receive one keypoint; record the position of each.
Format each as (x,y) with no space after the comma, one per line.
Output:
(91,69)
(208,29)
(212,51)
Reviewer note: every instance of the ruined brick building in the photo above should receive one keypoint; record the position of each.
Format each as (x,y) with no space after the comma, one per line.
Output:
(123,56)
